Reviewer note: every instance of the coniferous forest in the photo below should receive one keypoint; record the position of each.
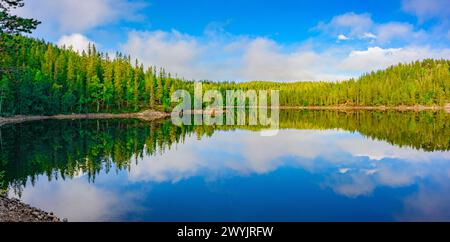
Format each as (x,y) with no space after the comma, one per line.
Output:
(45,79)
(40,78)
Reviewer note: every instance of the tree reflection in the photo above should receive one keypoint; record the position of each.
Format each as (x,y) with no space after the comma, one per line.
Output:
(69,148)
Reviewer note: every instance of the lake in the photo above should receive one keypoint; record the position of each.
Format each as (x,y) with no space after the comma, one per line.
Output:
(322,166)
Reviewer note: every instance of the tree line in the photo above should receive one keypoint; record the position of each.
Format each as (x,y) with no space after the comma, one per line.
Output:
(41,78)
(46,79)
(424,82)
(37,77)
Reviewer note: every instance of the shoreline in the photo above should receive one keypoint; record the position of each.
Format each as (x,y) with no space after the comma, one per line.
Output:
(376,108)
(13,210)
(416,108)
(151,115)
(148,115)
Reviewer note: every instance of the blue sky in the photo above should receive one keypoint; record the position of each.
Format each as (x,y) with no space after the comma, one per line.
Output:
(250,39)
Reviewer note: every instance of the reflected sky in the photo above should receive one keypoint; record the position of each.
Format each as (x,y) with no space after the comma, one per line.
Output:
(298,175)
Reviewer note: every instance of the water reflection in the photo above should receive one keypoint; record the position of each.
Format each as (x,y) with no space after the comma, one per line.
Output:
(323,166)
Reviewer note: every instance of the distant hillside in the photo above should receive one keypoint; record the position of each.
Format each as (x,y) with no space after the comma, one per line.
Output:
(37,77)
(424,82)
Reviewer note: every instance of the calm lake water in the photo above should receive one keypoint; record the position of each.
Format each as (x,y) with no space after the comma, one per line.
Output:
(322,166)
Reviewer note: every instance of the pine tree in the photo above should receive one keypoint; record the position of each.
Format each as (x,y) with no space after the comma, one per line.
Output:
(108,87)
(95,92)
(4,91)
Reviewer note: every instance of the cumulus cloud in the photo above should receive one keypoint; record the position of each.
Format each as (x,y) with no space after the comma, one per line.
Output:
(218,55)
(362,27)
(375,58)
(68,16)
(179,52)
(221,56)
(77,42)
(264,59)
(427,9)
(362,44)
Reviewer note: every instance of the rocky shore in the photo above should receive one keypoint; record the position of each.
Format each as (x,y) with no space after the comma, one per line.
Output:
(146,116)
(13,210)
(151,115)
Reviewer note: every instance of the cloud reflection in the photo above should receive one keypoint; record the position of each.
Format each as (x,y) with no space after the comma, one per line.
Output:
(75,199)
(347,164)
(430,203)
(351,165)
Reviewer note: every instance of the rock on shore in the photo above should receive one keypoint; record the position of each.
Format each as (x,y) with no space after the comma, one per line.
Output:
(148,115)
(13,210)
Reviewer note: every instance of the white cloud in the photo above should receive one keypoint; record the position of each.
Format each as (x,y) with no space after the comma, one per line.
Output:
(344,170)
(264,59)
(426,9)
(222,56)
(353,24)
(343,37)
(400,31)
(369,36)
(218,55)
(173,50)
(78,42)
(375,58)
(362,27)
(68,16)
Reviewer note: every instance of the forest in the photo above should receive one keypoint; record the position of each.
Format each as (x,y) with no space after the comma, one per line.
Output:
(37,78)
(41,78)
(45,79)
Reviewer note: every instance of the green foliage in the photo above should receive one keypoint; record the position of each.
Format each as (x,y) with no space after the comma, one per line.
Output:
(12,24)
(3,184)
(419,83)
(45,79)
(40,78)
